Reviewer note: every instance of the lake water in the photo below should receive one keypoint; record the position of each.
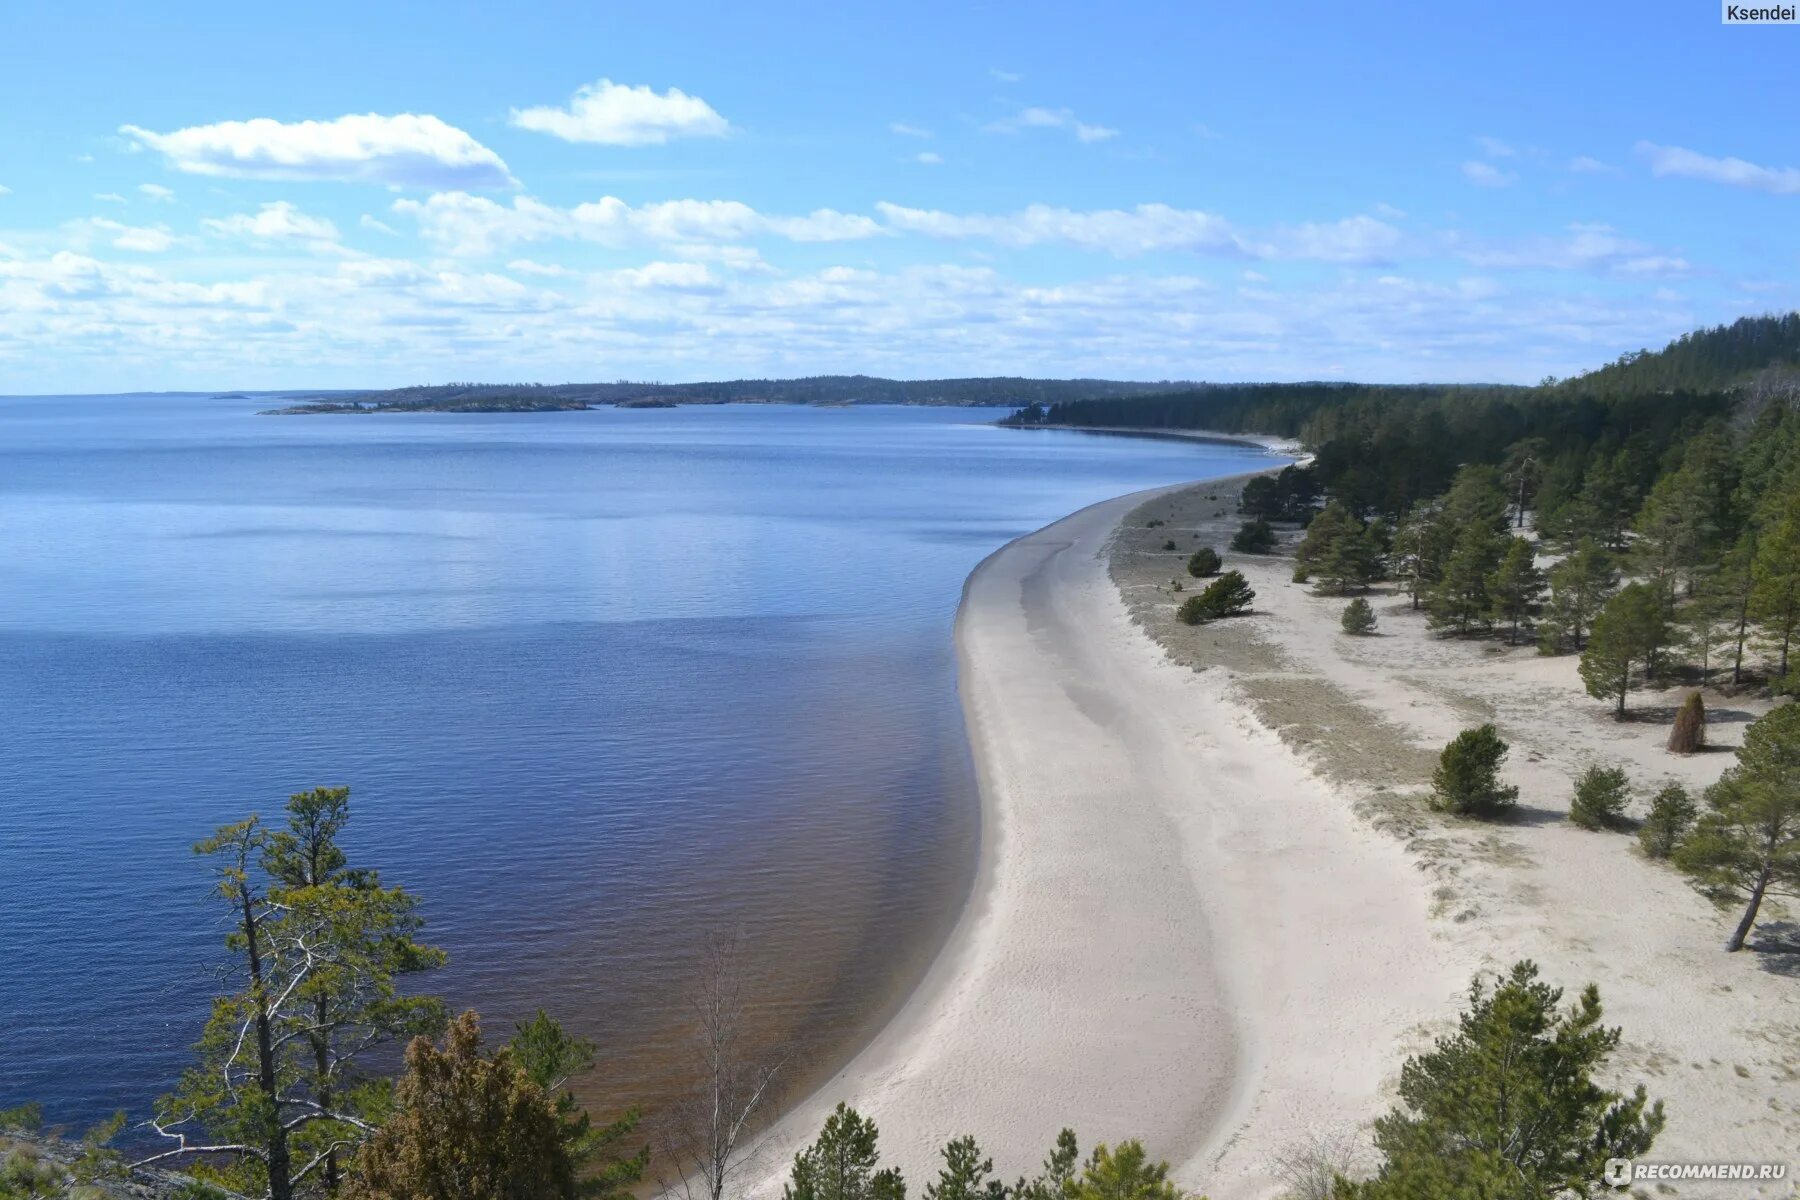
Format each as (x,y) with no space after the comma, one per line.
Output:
(599,682)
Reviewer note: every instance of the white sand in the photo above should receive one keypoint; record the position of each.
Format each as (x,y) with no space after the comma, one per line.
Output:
(1177,933)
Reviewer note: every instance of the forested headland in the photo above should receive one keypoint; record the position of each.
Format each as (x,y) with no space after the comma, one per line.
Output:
(825,390)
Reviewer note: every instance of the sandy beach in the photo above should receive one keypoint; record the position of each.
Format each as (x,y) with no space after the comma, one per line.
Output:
(1140,957)
(1213,913)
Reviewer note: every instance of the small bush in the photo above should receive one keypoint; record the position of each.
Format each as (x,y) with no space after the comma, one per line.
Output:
(1175,585)
(1358,618)
(1310,1168)
(1154,523)
(1467,779)
(1600,797)
(1254,537)
(1226,596)
(1689,731)
(27,1118)
(1205,561)
(1169,544)
(1672,813)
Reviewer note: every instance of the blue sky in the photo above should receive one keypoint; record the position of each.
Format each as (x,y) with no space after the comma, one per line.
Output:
(344,195)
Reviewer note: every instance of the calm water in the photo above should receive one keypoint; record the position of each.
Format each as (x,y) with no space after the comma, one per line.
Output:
(599,682)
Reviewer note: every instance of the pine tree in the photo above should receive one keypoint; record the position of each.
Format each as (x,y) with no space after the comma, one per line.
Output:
(1358,618)
(551,1057)
(1579,586)
(1508,1107)
(1052,1182)
(1334,523)
(1226,596)
(1670,818)
(1600,797)
(279,1089)
(1477,497)
(1732,587)
(1203,562)
(1747,846)
(1607,501)
(1467,779)
(1523,474)
(965,1175)
(1673,532)
(1515,587)
(1775,595)
(1461,598)
(841,1165)
(1125,1173)
(1254,537)
(1422,545)
(1628,632)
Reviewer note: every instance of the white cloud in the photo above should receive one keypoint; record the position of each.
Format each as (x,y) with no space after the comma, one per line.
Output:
(370,321)
(475,225)
(1495,148)
(1051,118)
(1581,164)
(109,197)
(278,221)
(411,149)
(1687,164)
(525,266)
(1149,228)
(157,192)
(1585,247)
(1004,76)
(614,114)
(1352,240)
(377,226)
(1207,132)
(928,158)
(905,130)
(137,238)
(669,276)
(4,190)
(1487,175)
(1123,232)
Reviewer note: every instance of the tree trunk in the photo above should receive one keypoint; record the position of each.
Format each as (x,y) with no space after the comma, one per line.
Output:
(1624,687)
(281,1186)
(1736,941)
(1737,663)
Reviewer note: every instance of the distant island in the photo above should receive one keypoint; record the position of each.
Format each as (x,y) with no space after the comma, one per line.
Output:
(834,391)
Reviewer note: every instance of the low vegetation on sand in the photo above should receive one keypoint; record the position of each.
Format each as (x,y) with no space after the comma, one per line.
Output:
(1467,779)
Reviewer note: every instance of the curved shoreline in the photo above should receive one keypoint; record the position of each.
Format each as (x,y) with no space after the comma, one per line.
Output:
(1111,968)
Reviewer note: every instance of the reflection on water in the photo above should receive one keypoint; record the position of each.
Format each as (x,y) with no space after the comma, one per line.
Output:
(600,682)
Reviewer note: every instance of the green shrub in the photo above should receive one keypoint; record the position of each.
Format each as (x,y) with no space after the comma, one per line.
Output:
(1154,523)
(1467,779)
(1226,596)
(1191,612)
(1254,537)
(1205,561)
(1358,617)
(1169,544)
(1600,797)
(1672,813)
(26,1118)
